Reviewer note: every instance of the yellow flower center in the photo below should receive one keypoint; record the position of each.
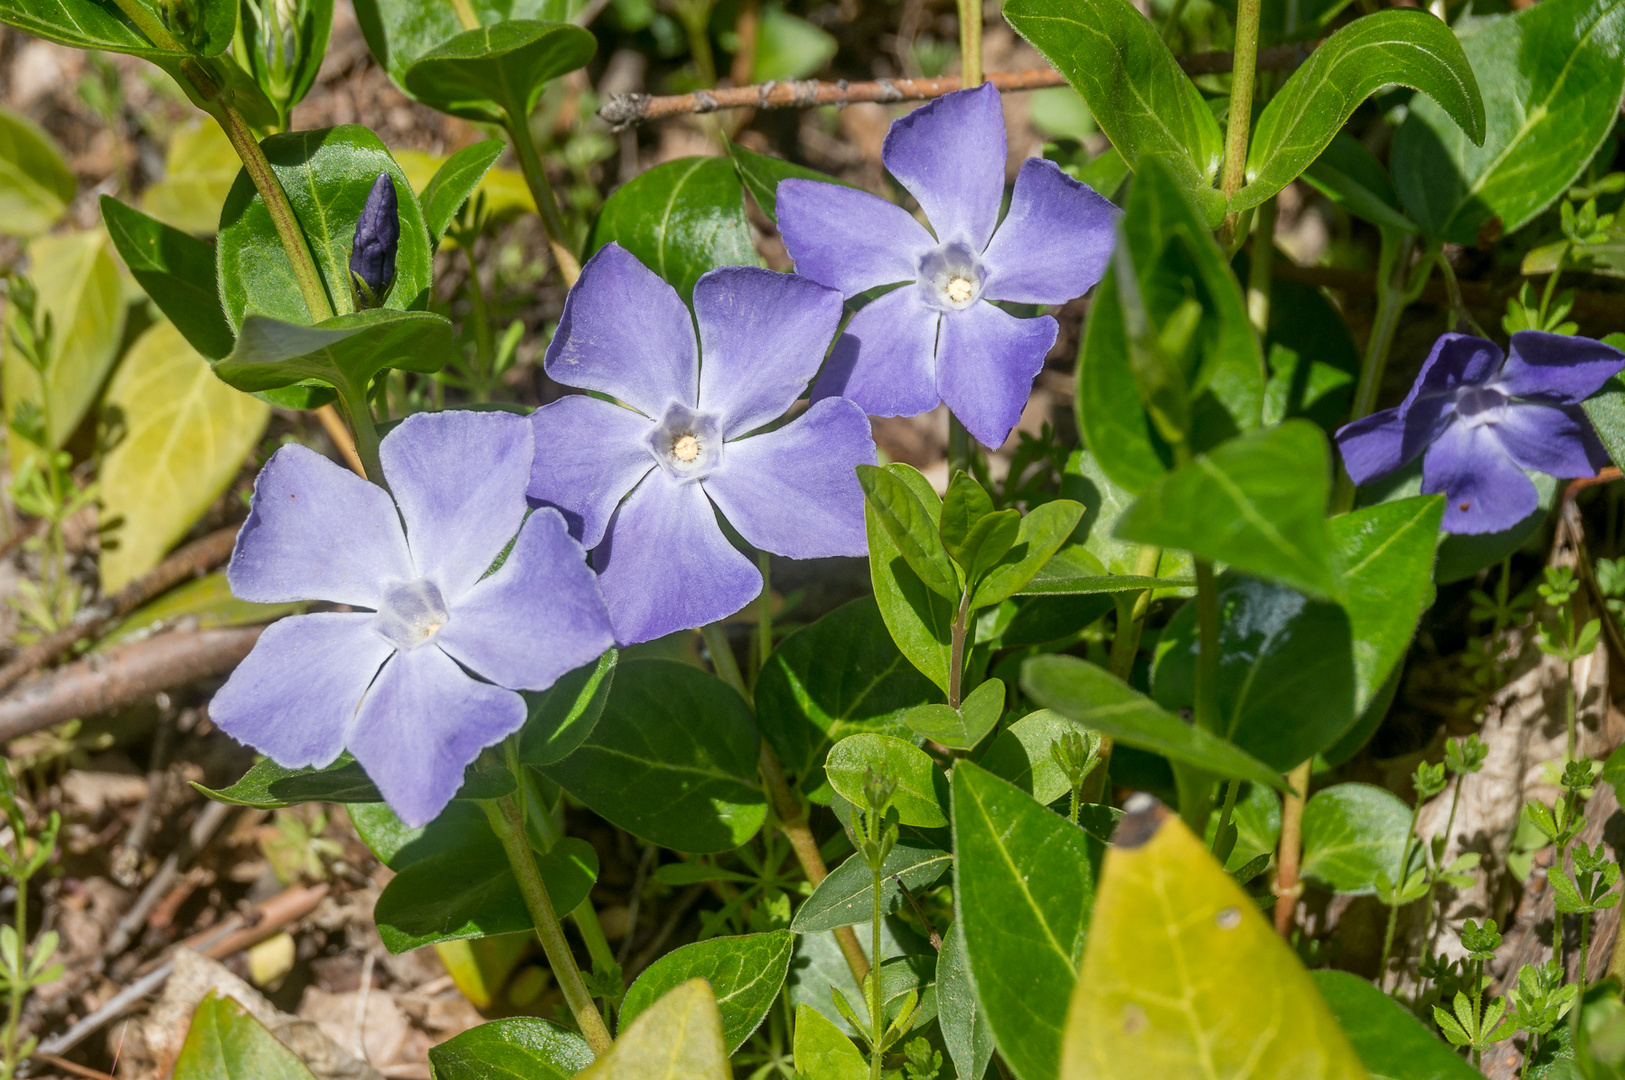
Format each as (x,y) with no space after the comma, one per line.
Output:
(959,289)
(686,449)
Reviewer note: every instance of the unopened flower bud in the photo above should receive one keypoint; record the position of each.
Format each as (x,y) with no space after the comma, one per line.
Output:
(377,235)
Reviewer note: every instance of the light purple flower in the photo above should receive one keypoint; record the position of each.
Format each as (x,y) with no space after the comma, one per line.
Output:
(642,485)
(940,337)
(389,683)
(1483,417)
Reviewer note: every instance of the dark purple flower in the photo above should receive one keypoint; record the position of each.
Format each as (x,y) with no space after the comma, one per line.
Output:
(388,683)
(377,235)
(940,337)
(642,484)
(1483,417)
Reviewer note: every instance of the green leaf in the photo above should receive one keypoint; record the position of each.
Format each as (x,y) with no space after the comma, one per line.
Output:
(1411,48)
(820,968)
(963,506)
(847,896)
(788,47)
(327,174)
(1090,696)
(1075,571)
(1021,755)
(1024,882)
(200,167)
(454,182)
(1351,176)
(562,716)
(345,352)
(959,1008)
(497,70)
(915,799)
(518,1048)
(822,1052)
(177,271)
(1043,530)
(672,760)
(745,974)
(267,785)
(1257,502)
(912,528)
(679,1037)
(470,891)
(1312,358)
(225,1042)
(182,435)
(680,219)
(1176,262)
(36,185)
(1142,99)
(1552,77)
(399,32)
(837,677)
(1167,918)
(1104,500)
(1352,833)
(85,24)
(761,175)
(202,602)
(1606,410)
(79,288)
(1386,552)
(919,619)
(1392,1043)
(964,727)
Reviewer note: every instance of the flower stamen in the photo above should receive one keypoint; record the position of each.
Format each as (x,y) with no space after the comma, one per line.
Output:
(686,448)
(960,289)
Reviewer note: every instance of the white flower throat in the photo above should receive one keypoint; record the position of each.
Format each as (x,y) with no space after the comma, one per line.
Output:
(410,613)
(951,276)
(1479,405)
(686,442)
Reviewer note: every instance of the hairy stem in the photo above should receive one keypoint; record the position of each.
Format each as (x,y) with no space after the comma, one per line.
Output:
(970,42)
(956,651)
(530,163)
(359,413)
(1287,859)
(1241,104)
(465,15)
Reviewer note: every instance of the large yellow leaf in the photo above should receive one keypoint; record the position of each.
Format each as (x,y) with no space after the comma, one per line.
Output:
(679,1037)
(1182,977)
(184,436)
(199,168)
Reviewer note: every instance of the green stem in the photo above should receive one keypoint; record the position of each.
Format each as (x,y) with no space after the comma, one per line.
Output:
(18,989)
(1241,104)
(359,413)
(722,657)
(1551,284)
(1569,710)
(146,20)
(1449,827)
(956,650)
(959,446)
(877,1019)
(1229,811)
(1125,647)
(465,15)
(508,822)
(1077,803)
(1258,269)
(764,612)
(1399,885)
(530,163)
(970,42)
(1585,934)
(1290,852)
(1171,23)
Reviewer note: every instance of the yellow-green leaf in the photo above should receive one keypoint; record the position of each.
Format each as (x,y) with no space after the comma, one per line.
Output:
(225,1042)
(182,436)
(199,168)
(679,1037)
(822,1051)
(1182,977)
(36,185)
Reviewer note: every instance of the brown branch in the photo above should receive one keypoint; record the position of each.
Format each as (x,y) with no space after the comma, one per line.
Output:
(625,110)
(195,558)
(123,676)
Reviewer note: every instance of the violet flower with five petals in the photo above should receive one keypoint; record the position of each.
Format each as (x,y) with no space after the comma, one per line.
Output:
(389,684)
(940,337)
(639,483)
(1483,417)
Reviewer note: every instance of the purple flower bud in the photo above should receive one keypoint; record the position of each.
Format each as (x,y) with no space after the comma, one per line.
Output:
(377,234)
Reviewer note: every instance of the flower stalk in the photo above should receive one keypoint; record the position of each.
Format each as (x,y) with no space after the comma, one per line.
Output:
(1241,105)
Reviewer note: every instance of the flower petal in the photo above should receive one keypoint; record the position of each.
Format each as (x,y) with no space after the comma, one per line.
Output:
(1055,242)
(986,364)
(317,531)
(589,454)
(849,239)
(665,565)
(1558,368)
(625,333)
(537,617)
(423,722)
(950,155)
(1378,444)
(1484,490)
(763,336)
(295,696)
(1456,360)
(793,491)
(459,478)
(1556,440)
(886,359)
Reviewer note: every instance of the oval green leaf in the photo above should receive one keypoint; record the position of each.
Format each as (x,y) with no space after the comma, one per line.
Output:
(499,70)
(915,798)
(679,1037)
(226,1042)
(745,974)
(1352,833)
(1392,1043)
(36,185)
(518,1048)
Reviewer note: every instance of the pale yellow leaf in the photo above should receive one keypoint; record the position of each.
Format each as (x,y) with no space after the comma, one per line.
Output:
(679,1037)
(199,168)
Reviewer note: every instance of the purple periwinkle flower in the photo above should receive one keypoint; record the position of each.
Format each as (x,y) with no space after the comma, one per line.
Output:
(940,337)
(642,484)
(377,235)
(389,683)
(1483,417)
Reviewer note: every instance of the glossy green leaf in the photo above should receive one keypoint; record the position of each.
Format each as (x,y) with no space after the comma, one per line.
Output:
(1043,530)
(1606,410)
(1386,552)
(1552,77)
(672,759)
(562,716)
(497,70)
(1021,755)
(1350,175)
(226,1042)
(915,798)
(761,175)
(837,677)
(964,727)
(177,270)
(959,1009)
(745,974)
(847,896)
(518,1048)
(398,32)
(1312,358)
(679,1037)
(1176,262)
(178,439)
(454,182)
(1024,882)
(85,24)
(919,619)
(346,352)
(965,504)
(1075,571)
(1412,48)
(1392,1043)
(1142,99)
(1039,620)
(680,219)
(1352,833)
(1091,696)
(1104,500)
(912,528)
(327,174)
(822,1052)
(1166,918)
(36,185)
(1257,502)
